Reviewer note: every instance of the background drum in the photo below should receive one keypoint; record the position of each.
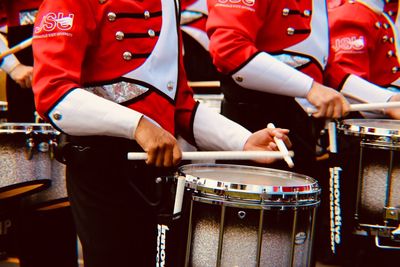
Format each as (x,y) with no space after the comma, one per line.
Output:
(377,172)
(25,163)
(249,216)
(3,111)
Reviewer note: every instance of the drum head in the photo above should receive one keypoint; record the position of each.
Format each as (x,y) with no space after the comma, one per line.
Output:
(250,184)
(374,128)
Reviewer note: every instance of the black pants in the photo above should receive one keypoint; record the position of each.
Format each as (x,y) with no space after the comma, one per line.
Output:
(114,201)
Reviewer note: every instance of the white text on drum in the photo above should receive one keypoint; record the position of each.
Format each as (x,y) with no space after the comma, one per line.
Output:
(161,245)
(335,211)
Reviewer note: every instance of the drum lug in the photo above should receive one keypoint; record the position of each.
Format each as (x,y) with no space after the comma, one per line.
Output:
(30,144)
(52,147)
(242,214)
(391,213)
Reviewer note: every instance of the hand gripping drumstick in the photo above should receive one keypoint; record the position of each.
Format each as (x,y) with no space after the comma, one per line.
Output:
(282,148)
(365,107)
(220,155)
(16,48)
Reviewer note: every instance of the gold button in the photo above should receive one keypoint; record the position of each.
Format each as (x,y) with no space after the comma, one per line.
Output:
(127,55)
(285,11)
(57,115)
(391,40)
(385,38)
(102,1)
(146,14)
(378,25)
(307,13)
(119,35)
(290,31)
(111,16)
(386,25)
(151,33)
(239,79)
(390,53)
(395,69)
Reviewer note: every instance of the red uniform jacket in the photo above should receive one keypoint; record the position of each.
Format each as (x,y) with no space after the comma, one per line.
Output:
(241,29)
(363,43)
(125,51)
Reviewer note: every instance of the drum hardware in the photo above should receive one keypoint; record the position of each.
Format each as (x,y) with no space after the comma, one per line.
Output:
(395,235)
(222,228)
(241,214)
(391,213)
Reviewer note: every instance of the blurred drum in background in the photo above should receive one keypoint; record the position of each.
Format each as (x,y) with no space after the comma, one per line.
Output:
(249,216)
(3,111)
(25,160)
(377,199)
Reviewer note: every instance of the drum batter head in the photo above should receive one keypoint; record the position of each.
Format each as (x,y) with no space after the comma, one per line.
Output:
(262,187)
(372,129)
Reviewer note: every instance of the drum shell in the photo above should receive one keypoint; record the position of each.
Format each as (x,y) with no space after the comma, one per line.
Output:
(56,195)
(373,169)
(19,169)
(240,236)
(285,224)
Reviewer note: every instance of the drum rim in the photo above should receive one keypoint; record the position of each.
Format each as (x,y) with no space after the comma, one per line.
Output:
(260,193)
(25,127)
(43,184)
(353,127)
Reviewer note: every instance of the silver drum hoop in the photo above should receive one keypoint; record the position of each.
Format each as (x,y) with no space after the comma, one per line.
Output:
(27,128)
(382,133)
(252,187)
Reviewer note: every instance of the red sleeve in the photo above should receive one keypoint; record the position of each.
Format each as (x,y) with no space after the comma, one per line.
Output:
(233,33)
(63,32)
(351,43)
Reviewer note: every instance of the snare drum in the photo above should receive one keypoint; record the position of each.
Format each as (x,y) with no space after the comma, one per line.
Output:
(25,163)
(249,216)
(377,203)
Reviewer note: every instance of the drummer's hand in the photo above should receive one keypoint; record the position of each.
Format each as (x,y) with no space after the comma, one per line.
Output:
(22,75)
(264,140)
(393,113)
(329,102)
(161,147)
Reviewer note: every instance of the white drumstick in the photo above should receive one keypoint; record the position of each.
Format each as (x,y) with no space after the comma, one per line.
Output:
(17,48)
(282,148)
(205,84)
(365,107)
(220,155)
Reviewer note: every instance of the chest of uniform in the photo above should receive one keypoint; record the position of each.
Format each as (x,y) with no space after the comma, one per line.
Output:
(286,23)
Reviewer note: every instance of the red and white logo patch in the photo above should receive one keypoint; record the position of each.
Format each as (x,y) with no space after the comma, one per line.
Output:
(55,22)
(246,4)
(349,44)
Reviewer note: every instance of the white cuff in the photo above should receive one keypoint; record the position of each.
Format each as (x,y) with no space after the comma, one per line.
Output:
(83,113)
(213,131)
(363,91)
(267,74)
